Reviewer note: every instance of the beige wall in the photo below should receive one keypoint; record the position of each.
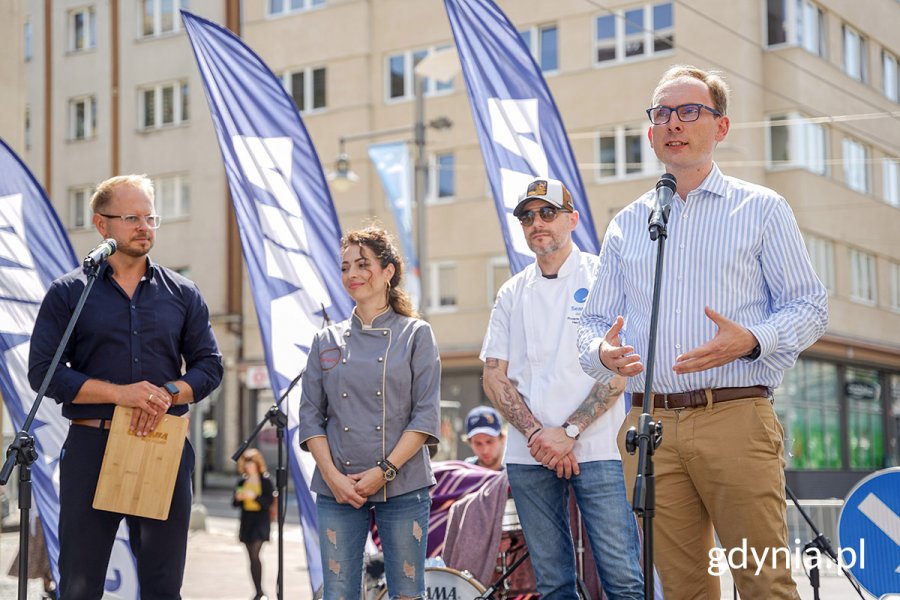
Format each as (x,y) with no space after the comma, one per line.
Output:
(12,73)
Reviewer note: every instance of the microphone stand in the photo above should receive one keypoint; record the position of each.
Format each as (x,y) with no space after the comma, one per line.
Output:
(21,451)
(816,547)
(279,419)
(646,437)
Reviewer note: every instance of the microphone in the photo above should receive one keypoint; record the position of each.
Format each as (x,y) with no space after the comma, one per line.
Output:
(325,315)
(99,254)
(659,216)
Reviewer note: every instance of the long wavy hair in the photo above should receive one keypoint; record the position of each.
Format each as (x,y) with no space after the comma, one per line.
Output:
(380,244)
(255,456)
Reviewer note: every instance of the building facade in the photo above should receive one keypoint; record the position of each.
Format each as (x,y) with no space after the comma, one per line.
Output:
(112,87)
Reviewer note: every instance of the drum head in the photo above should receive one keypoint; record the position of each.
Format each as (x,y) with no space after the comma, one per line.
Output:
(441,582)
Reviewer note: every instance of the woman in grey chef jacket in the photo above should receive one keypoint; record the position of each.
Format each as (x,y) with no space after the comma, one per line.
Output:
(370,405)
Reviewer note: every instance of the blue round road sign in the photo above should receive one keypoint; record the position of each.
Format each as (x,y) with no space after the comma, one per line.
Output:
(869,532)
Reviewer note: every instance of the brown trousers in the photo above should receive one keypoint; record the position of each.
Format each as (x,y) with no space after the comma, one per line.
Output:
(720,466)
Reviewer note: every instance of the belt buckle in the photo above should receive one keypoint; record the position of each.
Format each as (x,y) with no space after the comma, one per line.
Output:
(666,401)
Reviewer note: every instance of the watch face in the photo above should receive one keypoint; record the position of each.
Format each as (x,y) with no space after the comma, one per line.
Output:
(389,474)
(572,431)
(172,389)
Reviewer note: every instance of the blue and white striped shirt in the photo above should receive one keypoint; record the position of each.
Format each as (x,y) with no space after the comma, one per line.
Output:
(732,246)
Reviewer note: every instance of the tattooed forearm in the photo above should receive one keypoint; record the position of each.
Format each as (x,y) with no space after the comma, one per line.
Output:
(506,399)
(597,402)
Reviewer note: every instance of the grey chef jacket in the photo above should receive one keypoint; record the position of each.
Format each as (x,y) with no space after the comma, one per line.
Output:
(364,387)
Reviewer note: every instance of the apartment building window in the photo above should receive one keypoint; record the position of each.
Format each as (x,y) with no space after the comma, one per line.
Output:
(82,27)
(821,255)
(862,388)
(164,104)
(543,43)
(497,273)
(641,31)
(82,118)
(863,276)
(283,7)
(890,83)
(625,151)
(172,196)
(855,63)
(444,286)
(890,170)
(441,175)
(400,75)
(307,88)
(27,36)
(895,287)
(796,23)
(856,165)
(795,142)
(80,215)
(159,17)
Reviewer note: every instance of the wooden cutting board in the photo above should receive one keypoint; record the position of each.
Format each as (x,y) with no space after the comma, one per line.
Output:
(138,473)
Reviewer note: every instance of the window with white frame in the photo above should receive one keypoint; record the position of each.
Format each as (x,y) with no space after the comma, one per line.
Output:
(625,151)
(855,63)
(443,286)
(172,196)
(28,37)
(400,75)
(633,33)
(863,277)
(82,118)
(890,83)
(821,255)
(895,286)
(796,23)
(307,88)
(890,172)
(82,29)
(543,43)
(796,142)
(284,7)
(856,165)
(159,17)
(441,184)
(498,272)
(80,215)
(163,105)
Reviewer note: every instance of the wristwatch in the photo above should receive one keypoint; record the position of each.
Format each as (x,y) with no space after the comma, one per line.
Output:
(173,391)
(754,354)
(571,430)
(390,471)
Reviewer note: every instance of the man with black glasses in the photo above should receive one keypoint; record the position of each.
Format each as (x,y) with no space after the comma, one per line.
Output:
(563,422)
(739,302)
(140,323)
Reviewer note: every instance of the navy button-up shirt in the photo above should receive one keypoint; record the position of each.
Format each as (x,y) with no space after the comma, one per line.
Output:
(125,340)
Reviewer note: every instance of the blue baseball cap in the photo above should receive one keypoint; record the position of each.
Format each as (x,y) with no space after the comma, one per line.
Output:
(482,419)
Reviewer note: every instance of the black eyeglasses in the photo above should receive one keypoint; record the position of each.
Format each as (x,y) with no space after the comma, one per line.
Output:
(547,213)
(152,221)
(660,115)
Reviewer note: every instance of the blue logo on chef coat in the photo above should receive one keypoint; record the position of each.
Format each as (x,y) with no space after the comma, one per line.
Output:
(581,295)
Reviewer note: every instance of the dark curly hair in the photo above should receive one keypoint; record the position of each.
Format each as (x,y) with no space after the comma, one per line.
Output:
(379,242)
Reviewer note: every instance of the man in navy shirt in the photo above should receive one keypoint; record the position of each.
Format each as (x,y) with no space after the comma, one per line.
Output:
(140,323)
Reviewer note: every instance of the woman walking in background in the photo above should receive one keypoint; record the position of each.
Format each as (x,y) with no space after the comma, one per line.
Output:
(254,494)
(370,404)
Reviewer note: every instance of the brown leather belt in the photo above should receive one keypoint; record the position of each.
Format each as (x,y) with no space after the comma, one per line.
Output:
(95,423)
(695,398)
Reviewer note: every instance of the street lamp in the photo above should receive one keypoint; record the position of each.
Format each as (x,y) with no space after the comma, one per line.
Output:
(441,66)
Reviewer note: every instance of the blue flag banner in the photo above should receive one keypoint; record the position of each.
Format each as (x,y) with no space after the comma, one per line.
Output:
(35,250)
(519,128)
(288,226)
(392,161)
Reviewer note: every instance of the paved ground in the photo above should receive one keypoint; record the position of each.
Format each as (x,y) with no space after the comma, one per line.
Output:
(217,565)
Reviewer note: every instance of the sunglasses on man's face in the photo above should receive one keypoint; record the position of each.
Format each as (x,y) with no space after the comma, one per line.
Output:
(547,214)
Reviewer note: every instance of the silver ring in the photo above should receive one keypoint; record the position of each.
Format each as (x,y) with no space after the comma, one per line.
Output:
(150,398)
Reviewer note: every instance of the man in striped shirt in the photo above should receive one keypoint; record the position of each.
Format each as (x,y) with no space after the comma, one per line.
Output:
(739,302)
